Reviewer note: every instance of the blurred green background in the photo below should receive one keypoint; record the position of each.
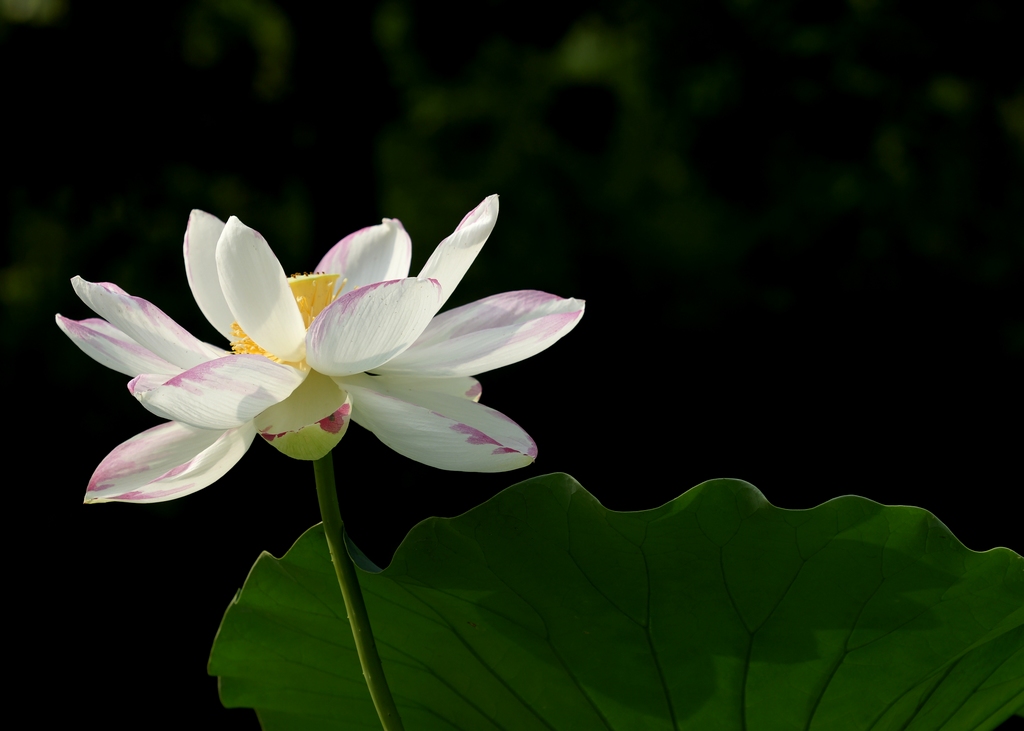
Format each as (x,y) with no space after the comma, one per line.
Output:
(799,227)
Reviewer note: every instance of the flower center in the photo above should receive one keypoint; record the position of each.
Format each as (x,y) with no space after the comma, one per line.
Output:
(312,291)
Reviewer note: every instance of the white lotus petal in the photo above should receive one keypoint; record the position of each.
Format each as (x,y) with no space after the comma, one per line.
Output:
(453,256)
(405,387)
(363,329)
(310,422)
(145,323)
(488,334)
(222,393)
(105,343)
(167,462)
(200,250)
(438,429)
(147,382)
(373,254)
(256,289)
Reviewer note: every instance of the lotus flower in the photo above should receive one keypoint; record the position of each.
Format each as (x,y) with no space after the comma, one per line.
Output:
(358,339)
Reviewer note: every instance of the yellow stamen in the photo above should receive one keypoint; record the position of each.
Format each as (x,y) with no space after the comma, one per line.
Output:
(313,292)
(244,345)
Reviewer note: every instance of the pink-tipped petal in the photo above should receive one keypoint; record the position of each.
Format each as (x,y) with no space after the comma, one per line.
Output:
(373,254)
(200,250)
(365,328)
(453,256)
(488,334)
(106,344)
(147,382)
(167,462)
(145,323)
(256,289)
(438,429)
(222,393)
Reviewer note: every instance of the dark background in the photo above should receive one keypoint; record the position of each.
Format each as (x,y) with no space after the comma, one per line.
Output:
(798,226)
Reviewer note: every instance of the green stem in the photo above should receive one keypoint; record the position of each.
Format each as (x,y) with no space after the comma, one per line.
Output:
(334,527)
